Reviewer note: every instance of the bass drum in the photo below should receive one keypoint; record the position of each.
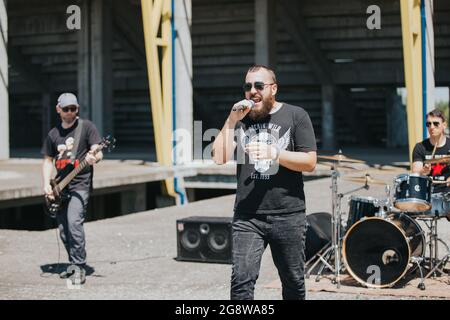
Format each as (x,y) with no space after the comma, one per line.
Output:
(377,251)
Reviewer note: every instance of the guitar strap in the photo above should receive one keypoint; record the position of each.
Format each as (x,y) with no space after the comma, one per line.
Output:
(76,137)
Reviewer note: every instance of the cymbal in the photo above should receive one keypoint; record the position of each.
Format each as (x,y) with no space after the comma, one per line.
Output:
(438,160)
(340,157)
(383,171)
(439,182)
(365,179)
(332,164)
(385,167)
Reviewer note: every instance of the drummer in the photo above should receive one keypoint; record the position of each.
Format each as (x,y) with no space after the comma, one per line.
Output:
(435,147)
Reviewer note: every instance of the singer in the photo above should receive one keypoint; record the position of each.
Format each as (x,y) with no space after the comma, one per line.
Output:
(278,142)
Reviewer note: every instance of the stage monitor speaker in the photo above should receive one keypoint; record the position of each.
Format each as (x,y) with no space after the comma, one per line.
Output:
(204,239)
(318,233)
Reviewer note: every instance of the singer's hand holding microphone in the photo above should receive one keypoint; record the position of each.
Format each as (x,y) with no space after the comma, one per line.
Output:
(243,105)
(241,108)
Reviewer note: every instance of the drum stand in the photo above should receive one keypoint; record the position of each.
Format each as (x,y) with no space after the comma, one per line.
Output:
(333,248)
(436,266)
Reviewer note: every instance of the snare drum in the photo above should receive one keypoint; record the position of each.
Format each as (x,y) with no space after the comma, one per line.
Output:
(360,207)
(412,192)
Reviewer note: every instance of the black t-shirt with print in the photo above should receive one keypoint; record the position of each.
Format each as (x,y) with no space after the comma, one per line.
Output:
(439,171)
(59,144)
(265,187)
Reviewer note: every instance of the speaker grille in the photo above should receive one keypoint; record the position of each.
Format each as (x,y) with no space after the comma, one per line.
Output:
(204,239)
(190,239)
(218,240)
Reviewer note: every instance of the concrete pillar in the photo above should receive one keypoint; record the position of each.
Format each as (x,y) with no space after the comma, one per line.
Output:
(101,65)
(84,69)
(397,129)
(448,109)
(429,51)
(95,64)
(48,110)
(4,102)
(328,124)
(134,200)
(265,32)
(183,81)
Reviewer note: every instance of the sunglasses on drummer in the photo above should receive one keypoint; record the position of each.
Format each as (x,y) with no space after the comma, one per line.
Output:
(71,109)
(259,85)
(435,123)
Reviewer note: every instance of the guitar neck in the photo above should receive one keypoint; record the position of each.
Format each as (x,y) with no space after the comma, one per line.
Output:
(64,182)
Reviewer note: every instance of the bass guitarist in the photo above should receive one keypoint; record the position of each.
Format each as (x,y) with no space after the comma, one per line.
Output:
(67,144)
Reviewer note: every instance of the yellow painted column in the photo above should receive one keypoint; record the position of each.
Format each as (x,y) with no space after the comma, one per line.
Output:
(412,59)
(156,16)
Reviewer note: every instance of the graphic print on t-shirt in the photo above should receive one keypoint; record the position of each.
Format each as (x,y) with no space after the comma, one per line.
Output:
(267,133)
(64,153)
(439,171)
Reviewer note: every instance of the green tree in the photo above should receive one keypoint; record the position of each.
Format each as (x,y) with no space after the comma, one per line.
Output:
(442,106)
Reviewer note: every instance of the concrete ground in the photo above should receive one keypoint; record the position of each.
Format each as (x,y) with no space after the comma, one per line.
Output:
(132,256)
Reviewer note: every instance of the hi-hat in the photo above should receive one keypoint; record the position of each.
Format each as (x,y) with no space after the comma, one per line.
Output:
(340,157)
(437,160)
(365,179)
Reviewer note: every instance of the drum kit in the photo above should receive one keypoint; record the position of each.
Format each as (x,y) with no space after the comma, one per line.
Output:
(382,240)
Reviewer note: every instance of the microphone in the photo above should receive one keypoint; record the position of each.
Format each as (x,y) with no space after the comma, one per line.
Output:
(244,106)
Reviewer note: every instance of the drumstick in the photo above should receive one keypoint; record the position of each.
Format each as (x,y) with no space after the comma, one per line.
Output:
(435,146)
(434,150)
(432,154)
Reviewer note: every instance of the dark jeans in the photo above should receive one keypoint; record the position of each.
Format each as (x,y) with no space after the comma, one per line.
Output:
(70,223)
(285,233)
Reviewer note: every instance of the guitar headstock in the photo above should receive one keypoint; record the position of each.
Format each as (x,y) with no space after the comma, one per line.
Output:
(108,142)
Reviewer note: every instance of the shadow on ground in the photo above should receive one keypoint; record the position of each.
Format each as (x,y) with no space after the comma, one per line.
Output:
(57,268)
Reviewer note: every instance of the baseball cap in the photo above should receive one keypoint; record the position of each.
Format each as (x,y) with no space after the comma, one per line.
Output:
(67,99)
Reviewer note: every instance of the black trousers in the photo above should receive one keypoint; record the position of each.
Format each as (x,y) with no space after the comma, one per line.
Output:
(285,234)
